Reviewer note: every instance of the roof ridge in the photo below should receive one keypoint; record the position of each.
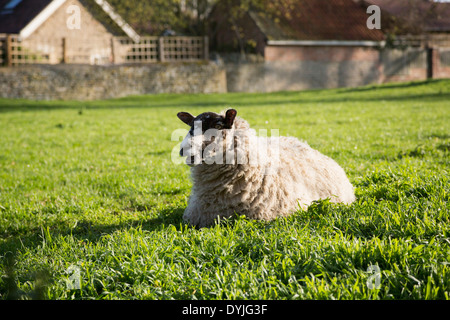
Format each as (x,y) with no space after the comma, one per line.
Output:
(316,20)
(109,10)
(33,14)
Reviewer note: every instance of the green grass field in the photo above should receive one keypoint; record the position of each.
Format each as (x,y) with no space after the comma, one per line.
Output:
(91,204)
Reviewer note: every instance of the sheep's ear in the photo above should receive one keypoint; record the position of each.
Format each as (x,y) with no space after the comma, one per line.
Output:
(229,117)
(186,117)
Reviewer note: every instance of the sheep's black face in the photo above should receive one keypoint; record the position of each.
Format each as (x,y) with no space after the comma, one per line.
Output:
(203,132)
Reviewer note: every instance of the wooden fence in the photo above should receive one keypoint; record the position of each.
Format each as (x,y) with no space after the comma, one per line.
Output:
(2,49)
(166,49)
(13,52)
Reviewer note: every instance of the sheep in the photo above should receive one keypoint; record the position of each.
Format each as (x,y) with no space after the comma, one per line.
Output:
(287,175)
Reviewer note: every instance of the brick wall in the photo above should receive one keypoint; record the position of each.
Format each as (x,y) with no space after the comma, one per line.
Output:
(441,66)
(309,67)
(403,64)
(320,53)
(84,82)
(300,68)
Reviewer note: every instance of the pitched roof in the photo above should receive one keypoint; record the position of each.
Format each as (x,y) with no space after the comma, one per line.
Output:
(428,15)
(22,14)
(318,20)
(28,14)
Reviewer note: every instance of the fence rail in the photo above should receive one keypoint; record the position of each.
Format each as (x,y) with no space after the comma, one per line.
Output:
(146,51)
(15,52)
(169,49)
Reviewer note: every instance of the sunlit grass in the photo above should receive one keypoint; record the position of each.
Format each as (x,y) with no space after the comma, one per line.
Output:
(91,185)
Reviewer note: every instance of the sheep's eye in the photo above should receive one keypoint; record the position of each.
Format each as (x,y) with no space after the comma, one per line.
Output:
(218,126)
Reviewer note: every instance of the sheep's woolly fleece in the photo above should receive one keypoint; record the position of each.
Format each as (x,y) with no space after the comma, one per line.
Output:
(276,185)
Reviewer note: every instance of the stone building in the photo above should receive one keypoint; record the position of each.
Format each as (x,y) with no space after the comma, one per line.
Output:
(58,31)
(82,49)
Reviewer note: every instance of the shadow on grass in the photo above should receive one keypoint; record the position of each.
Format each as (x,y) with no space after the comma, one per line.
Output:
(394,85)
(10,247)
(379,92)
(86,230)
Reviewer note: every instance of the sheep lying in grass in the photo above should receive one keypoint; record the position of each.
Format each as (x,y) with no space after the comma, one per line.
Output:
(234,171)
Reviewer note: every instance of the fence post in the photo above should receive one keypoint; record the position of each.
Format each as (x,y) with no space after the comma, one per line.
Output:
(161,49)
(8,46)
(205,48)
(64,50)
(430,61)
(113,53)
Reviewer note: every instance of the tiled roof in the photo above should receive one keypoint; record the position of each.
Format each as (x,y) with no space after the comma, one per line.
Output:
(318,20)
(428,15)
(15,20)
(22,14)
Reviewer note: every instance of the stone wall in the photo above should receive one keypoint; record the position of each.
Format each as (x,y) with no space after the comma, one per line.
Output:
(292,71)
(85,82)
